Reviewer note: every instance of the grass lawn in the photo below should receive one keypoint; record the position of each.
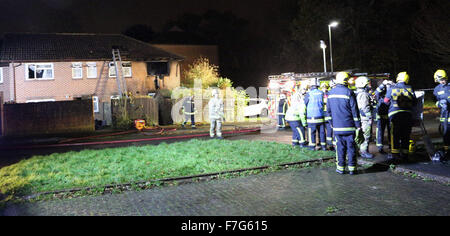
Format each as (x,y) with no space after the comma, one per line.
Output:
(97,168)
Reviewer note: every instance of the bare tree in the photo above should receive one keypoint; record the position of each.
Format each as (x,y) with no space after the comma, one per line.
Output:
(432,31)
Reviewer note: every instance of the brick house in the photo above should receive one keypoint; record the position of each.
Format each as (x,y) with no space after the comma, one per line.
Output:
(62,66)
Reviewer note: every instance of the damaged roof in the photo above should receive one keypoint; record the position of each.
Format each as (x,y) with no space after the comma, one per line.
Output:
(31,47)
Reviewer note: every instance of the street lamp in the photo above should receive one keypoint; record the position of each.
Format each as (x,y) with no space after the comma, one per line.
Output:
(324,46)
(332,24)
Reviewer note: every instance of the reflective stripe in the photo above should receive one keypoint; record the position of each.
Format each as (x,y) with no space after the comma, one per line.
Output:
(309,137)
(302,139)
(351,168)
(315,121)
(392,136)
(189,113)
(345,129)
(295,141)
(356,119)
(339,96)
(327,118)
(398,111)
(341,168)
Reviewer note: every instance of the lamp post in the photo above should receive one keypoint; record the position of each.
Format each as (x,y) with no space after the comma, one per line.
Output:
(332,24)
(324,46)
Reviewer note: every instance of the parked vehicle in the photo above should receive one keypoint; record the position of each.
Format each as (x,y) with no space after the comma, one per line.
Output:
(256,107)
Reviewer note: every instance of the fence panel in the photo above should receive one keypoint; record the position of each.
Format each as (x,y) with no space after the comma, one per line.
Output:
(45,118)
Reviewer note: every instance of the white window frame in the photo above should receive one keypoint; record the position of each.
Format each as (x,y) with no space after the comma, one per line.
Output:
(77,66)
(52,68)
(126,71)
(1,75)
(112,70)
(96,104)
(40,100)
(91,65)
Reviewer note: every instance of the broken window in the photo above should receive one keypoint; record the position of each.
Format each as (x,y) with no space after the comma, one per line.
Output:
(126,69)
(39,71)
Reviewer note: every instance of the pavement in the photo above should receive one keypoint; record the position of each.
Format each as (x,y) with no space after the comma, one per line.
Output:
(419,187)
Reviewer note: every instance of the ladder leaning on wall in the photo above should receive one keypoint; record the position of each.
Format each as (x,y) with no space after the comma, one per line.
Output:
(121,83)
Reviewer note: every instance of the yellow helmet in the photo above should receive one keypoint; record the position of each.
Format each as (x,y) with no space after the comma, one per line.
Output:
(324,86)
(440,75)
(403,77)
(342,78)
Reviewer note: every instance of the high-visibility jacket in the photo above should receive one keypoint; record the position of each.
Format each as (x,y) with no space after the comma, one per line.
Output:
(401,98)
(315,106)
(296,112)
(343,110)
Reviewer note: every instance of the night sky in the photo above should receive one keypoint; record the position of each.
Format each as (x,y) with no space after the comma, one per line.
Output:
(264,37)
(113,16)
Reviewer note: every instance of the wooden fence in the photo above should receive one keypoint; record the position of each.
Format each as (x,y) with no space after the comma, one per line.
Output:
(48,118)
(136,108)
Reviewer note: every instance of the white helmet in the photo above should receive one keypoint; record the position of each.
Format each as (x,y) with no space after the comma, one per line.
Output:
(214,92)
(342,78)
(361,82)
(282,96)
(313,82)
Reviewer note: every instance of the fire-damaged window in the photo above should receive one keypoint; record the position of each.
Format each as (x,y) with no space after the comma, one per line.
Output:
(39,71)
(158,68)
(77,70)
(126,69)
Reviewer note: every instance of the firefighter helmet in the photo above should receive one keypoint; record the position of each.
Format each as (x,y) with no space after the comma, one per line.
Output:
(215,92)
(313,82)
(324,86)
(282,96)
(361,82)
(342,78)
(403,77)
(440,75)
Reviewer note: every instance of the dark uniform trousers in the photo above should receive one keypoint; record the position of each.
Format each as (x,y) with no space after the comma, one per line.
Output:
(345,144)
(382,125)
(298,133)
(401,126)
(312,128)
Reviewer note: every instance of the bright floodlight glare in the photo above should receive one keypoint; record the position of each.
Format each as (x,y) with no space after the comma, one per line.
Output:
(322,44)
(333,24)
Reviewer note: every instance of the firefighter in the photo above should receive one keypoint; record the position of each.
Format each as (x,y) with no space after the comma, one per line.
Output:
(294,118)
(189,111)
(282,107)
(324,87)
(343,110)
(442,92)
(382,118)
(402,99)
(216,114)
(315,116)
(365,111)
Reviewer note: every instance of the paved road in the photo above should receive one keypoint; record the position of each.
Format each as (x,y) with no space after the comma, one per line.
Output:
(315,191)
